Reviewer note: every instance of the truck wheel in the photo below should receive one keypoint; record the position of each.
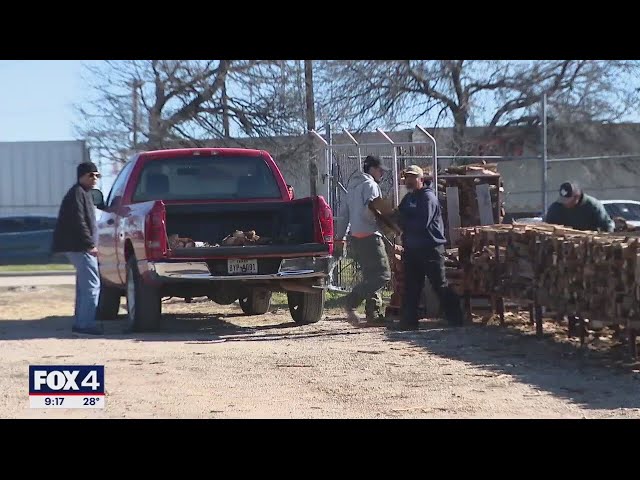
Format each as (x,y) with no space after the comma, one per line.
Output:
(306,307)
(108,303)
(257,302)
(223,296)
(144,303)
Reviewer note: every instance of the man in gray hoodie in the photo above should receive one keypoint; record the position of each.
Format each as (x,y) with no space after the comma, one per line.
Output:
(367,247)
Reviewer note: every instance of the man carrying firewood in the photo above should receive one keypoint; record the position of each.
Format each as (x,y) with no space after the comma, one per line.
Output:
(366,244)
(575,209)
(423,240)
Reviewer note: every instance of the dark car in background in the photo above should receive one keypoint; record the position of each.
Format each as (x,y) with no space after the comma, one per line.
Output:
(26,239)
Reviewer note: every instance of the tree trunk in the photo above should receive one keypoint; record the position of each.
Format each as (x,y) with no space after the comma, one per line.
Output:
(460,147)
(155,129)
(225,111)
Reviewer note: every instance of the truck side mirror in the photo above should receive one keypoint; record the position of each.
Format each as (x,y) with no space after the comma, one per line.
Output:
(98,199)
(292,194)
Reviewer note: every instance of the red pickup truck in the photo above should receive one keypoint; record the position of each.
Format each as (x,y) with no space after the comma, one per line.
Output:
(206,194)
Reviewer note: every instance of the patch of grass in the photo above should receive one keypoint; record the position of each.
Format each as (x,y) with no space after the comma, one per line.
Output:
(36,268)
(333,300)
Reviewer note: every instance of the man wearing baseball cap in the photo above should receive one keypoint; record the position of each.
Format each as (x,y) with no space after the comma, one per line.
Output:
(367,247)
(76,235)
(575,209)
(423,240)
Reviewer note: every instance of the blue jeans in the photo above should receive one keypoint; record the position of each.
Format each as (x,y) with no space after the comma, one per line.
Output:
(87,288)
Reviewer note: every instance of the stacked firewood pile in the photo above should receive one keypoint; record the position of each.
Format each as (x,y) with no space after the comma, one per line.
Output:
(594,274)
(453,271)
(466,178)
(397,279)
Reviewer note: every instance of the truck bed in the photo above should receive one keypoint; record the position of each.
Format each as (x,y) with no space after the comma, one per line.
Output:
(284,227)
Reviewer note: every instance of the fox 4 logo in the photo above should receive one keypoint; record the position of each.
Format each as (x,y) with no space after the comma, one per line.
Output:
(66,379)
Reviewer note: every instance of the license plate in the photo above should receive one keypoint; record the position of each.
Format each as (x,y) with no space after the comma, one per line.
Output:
(241,266)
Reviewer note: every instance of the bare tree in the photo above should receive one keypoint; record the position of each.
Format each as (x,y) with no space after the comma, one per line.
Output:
(482,92)
(186,100)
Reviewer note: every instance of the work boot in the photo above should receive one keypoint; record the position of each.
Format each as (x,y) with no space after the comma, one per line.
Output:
(95,330)
(403,326)
(352,316)
(376,320)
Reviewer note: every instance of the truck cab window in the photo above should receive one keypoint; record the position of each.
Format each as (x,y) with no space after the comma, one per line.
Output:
(206,178)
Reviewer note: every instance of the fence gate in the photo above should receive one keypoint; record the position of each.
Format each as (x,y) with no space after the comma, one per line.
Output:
(343,161)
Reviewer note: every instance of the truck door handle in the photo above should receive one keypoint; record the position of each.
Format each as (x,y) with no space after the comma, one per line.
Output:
(111,221)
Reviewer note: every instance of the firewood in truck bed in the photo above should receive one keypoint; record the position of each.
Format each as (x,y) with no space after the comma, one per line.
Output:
(237,238)
(240,238)
(175,241)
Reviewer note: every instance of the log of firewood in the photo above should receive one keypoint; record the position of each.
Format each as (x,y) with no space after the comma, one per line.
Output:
(596,275)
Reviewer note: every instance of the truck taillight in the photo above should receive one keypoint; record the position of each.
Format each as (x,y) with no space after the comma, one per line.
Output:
(155,232)
(324,223)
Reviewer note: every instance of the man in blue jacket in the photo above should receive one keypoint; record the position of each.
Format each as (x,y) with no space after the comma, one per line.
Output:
(423,240)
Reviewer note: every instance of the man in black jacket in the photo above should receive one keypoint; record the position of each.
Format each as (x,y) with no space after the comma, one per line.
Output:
(423,240)
(76,236)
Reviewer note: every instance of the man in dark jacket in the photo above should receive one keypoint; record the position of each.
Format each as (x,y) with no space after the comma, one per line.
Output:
(423,240)
(76,236)
(575,209)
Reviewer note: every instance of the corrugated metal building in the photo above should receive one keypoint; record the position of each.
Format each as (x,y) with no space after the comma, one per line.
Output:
(34,176)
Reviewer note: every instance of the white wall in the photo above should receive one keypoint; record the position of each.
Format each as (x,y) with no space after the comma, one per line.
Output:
(34,176)
(605,179)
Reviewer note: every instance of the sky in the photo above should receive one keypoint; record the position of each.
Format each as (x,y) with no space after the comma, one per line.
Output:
(37,98)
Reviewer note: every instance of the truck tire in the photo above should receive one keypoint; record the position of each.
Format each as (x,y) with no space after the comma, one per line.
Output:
(108,303)
(256,302)
(144,303)
(223,296)
(306,307)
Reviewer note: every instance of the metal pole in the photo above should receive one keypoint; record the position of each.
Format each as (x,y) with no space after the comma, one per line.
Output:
(351,137)
(435,159)
(544,154)
(328,177)
(311,125)
(320,137)
(396,185)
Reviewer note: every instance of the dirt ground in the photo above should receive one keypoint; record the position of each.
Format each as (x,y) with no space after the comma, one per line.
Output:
(210,361)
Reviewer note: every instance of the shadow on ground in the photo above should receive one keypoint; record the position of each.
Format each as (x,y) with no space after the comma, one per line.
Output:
(592,379)
(179,327)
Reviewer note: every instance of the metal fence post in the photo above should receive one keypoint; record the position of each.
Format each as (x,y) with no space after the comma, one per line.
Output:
(435,159)
(544,154)
(356,142)
(396,200)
